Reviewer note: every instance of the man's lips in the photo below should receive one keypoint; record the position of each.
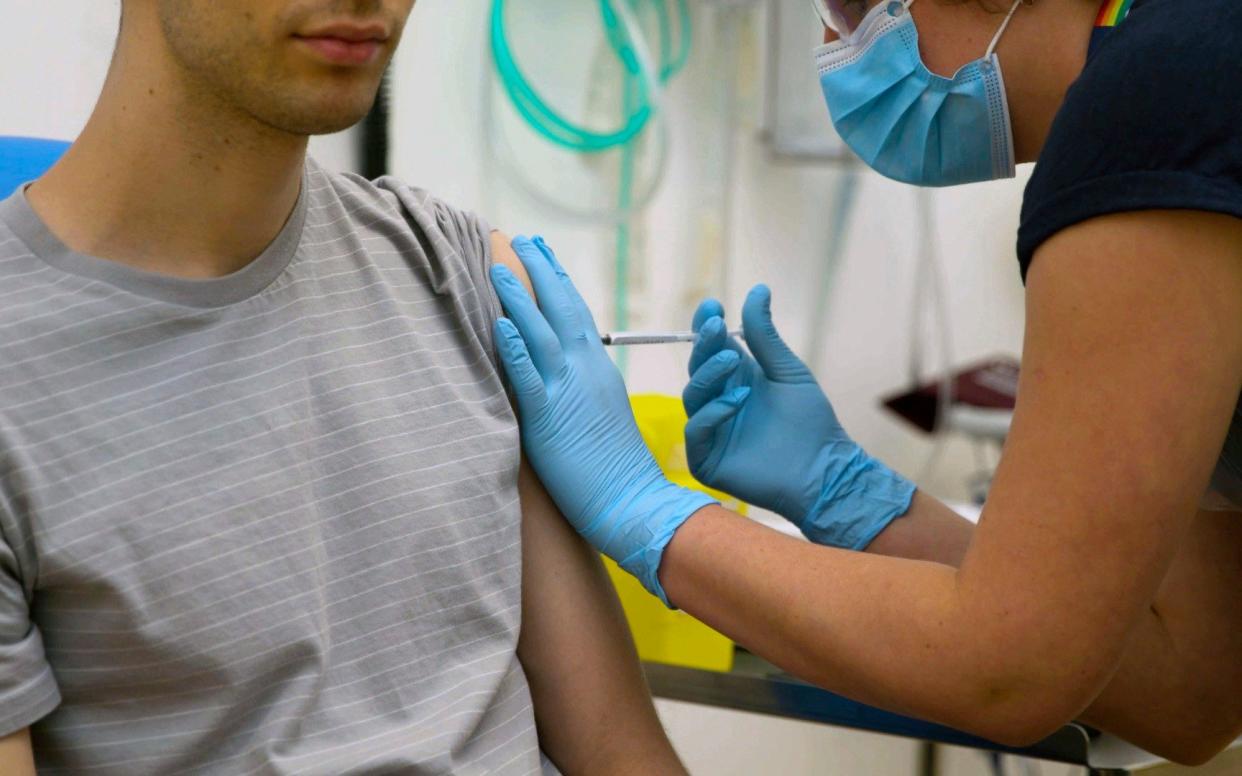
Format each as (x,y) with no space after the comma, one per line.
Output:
(345,43)
(343,52)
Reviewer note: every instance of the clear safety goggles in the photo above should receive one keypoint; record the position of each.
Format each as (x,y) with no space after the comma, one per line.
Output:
(844,16)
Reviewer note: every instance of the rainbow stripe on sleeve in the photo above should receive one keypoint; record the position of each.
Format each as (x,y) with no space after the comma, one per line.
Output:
(1112,12)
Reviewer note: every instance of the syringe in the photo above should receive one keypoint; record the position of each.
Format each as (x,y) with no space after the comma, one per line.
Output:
(653,337)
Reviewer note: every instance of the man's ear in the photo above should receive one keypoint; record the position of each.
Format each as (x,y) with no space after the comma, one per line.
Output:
(502,253)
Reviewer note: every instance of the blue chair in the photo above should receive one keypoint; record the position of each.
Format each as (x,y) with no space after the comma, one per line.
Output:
(23,159)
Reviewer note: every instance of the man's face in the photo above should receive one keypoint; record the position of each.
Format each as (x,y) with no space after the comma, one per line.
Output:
(306,67)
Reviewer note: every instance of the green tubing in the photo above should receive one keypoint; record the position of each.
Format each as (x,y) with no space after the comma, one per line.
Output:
(637,110)
(625,196)
(554,127)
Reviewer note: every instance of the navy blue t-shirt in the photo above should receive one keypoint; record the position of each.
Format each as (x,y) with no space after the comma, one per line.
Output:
(1153,122)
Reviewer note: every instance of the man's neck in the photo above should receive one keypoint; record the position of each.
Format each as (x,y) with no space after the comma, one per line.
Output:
(169,179)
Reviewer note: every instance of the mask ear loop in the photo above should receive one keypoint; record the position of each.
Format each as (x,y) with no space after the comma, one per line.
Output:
(822,11)
(996,38)
(825,15)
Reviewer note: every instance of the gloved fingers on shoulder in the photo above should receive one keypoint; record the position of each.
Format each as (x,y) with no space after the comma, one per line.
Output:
(585,318)
(776,358)
(710,380)
(704,426)
(554,299)
(527,385)
(537,335)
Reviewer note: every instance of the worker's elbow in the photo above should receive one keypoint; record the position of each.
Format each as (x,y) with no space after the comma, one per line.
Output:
(1021,730)
(1027,692)
(1017,718)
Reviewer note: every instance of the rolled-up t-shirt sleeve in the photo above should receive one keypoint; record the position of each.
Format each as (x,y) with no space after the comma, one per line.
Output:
(28,689)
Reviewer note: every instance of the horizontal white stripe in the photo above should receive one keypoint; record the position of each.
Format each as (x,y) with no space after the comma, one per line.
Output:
(523,710)
(27,289)
(439,716)
(436,718)
(150,428)
(301,378)
(245,613)
(508,741)
(180,440)
(151,604)
(200,731)
(59,571)
(246,442)
(216,330)
(455,624)
(256,356)
(495,614)
(246,700)
(191,313)
(55,312)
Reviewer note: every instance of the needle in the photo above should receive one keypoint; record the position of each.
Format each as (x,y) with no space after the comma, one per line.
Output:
(653,337)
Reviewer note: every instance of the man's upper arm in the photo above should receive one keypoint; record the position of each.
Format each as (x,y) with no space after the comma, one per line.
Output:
(16,756)
(592,705)
(1130,375)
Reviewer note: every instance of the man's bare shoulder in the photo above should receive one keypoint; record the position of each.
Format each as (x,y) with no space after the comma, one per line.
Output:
(503,253)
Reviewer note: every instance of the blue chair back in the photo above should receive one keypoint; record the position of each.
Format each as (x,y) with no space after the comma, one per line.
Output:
(23,159)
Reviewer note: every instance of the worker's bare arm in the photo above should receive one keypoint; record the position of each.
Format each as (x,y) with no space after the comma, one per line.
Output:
(1131,372)
(592,706)
(1181,662)
(16,756)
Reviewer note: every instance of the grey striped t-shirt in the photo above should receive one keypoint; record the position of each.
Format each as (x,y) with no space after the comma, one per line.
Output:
(267,523)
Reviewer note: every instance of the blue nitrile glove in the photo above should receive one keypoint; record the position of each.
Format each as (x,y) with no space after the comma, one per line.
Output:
(578,430)
(761,429)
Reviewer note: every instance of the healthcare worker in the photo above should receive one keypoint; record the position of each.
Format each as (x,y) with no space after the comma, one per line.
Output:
(1104,580)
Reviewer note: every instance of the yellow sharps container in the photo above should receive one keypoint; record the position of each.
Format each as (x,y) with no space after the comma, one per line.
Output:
(663,635)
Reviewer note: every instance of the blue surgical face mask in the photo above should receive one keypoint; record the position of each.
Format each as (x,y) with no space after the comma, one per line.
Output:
(908,123)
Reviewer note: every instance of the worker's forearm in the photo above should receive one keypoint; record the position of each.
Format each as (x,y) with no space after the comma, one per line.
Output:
(884,631)
(929,531)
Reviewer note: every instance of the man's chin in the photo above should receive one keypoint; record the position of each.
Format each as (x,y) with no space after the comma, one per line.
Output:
(331,126)
(324,121)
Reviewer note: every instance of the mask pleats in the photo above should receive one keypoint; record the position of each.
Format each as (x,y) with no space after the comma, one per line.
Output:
(904,122)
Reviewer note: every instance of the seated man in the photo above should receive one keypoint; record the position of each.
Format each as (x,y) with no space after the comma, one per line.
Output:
(261,502)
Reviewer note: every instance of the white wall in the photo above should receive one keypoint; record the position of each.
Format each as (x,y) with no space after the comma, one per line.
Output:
(53,55)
